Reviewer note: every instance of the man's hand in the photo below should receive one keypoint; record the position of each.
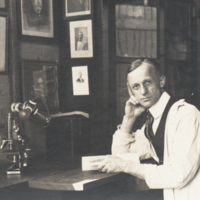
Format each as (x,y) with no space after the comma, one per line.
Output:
(111,164)
(133,109)
(114,164)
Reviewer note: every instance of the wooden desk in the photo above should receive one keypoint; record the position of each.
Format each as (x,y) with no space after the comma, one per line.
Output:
(9,180)
(54,180)
(39,168)
(74,180)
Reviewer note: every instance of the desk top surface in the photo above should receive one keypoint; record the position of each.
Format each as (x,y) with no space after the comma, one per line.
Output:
(74,180)
(57,175)
(38,168)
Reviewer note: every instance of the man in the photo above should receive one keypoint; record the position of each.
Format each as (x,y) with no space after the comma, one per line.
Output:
(80,79)
(81,45)
(37,15)
(169,141)
(77,5)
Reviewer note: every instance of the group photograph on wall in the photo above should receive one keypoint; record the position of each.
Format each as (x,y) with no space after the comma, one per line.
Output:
(37,18)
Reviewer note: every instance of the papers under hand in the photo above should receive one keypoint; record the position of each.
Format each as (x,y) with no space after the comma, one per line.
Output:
(70,114)
(88,165)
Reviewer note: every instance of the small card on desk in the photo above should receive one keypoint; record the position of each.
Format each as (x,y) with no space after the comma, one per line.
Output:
(87,165)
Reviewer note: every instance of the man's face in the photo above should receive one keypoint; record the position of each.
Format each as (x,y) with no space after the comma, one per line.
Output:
(80,74)
(37,5)
(80,36)
(40,82)
(145,84)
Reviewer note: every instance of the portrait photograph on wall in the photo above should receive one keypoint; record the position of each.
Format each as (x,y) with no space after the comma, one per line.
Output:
(40,81)
(80,80)
(3,42)
(81,39)
(37,18)
(77,7)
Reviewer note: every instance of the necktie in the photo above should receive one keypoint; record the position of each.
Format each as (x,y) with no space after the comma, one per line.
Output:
(148,127)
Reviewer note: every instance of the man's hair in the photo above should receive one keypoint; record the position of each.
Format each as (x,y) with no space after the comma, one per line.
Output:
(137,63)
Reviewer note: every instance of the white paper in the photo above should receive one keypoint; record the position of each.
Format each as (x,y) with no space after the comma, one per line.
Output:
(80,80)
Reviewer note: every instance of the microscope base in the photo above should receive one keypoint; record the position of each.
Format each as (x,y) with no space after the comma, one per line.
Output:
(14,169)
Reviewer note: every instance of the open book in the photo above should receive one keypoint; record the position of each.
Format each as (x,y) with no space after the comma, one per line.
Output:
(70,114)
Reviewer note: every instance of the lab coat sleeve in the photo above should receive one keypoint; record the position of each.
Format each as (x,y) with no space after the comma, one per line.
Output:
(135,143)
(184,158)
(121,142)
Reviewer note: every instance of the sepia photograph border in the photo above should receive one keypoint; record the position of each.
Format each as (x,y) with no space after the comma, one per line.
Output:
(49,34)
(79,13)
(80,89)
(81,24)
(28,67)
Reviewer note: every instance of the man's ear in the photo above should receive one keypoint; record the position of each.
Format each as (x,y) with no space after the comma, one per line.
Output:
(162,81)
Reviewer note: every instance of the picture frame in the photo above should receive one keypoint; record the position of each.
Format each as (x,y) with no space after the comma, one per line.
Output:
(77,8)
(80,80)
(37,20)
(40,80)
(3,4)
(81,40)
(4,44)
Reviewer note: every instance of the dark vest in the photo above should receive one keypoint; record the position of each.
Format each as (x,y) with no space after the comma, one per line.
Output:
(158,139)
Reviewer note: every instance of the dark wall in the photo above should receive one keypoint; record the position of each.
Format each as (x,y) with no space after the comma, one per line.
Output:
(43,52)
(58,49)
(94,102)
(22,48)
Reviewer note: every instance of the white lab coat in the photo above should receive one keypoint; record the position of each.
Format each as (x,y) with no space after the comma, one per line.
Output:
(179,175)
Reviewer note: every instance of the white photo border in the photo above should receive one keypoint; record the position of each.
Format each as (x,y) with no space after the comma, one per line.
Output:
(80,87)
(81,24)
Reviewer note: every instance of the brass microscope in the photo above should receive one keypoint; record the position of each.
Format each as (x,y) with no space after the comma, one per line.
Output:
(17,141)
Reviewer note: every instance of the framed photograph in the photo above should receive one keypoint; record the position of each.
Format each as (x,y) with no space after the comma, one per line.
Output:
(40,81)
(3,42)
(37,18)
(2,4)
(81,39)
(80,80)
(77,7)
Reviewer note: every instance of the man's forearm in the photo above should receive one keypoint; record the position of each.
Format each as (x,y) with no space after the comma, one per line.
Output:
(127,124)
(134,168)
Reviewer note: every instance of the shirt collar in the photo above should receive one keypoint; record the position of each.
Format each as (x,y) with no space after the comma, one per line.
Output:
(158,108)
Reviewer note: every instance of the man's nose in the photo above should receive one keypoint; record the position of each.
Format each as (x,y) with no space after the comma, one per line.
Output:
(144,89)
